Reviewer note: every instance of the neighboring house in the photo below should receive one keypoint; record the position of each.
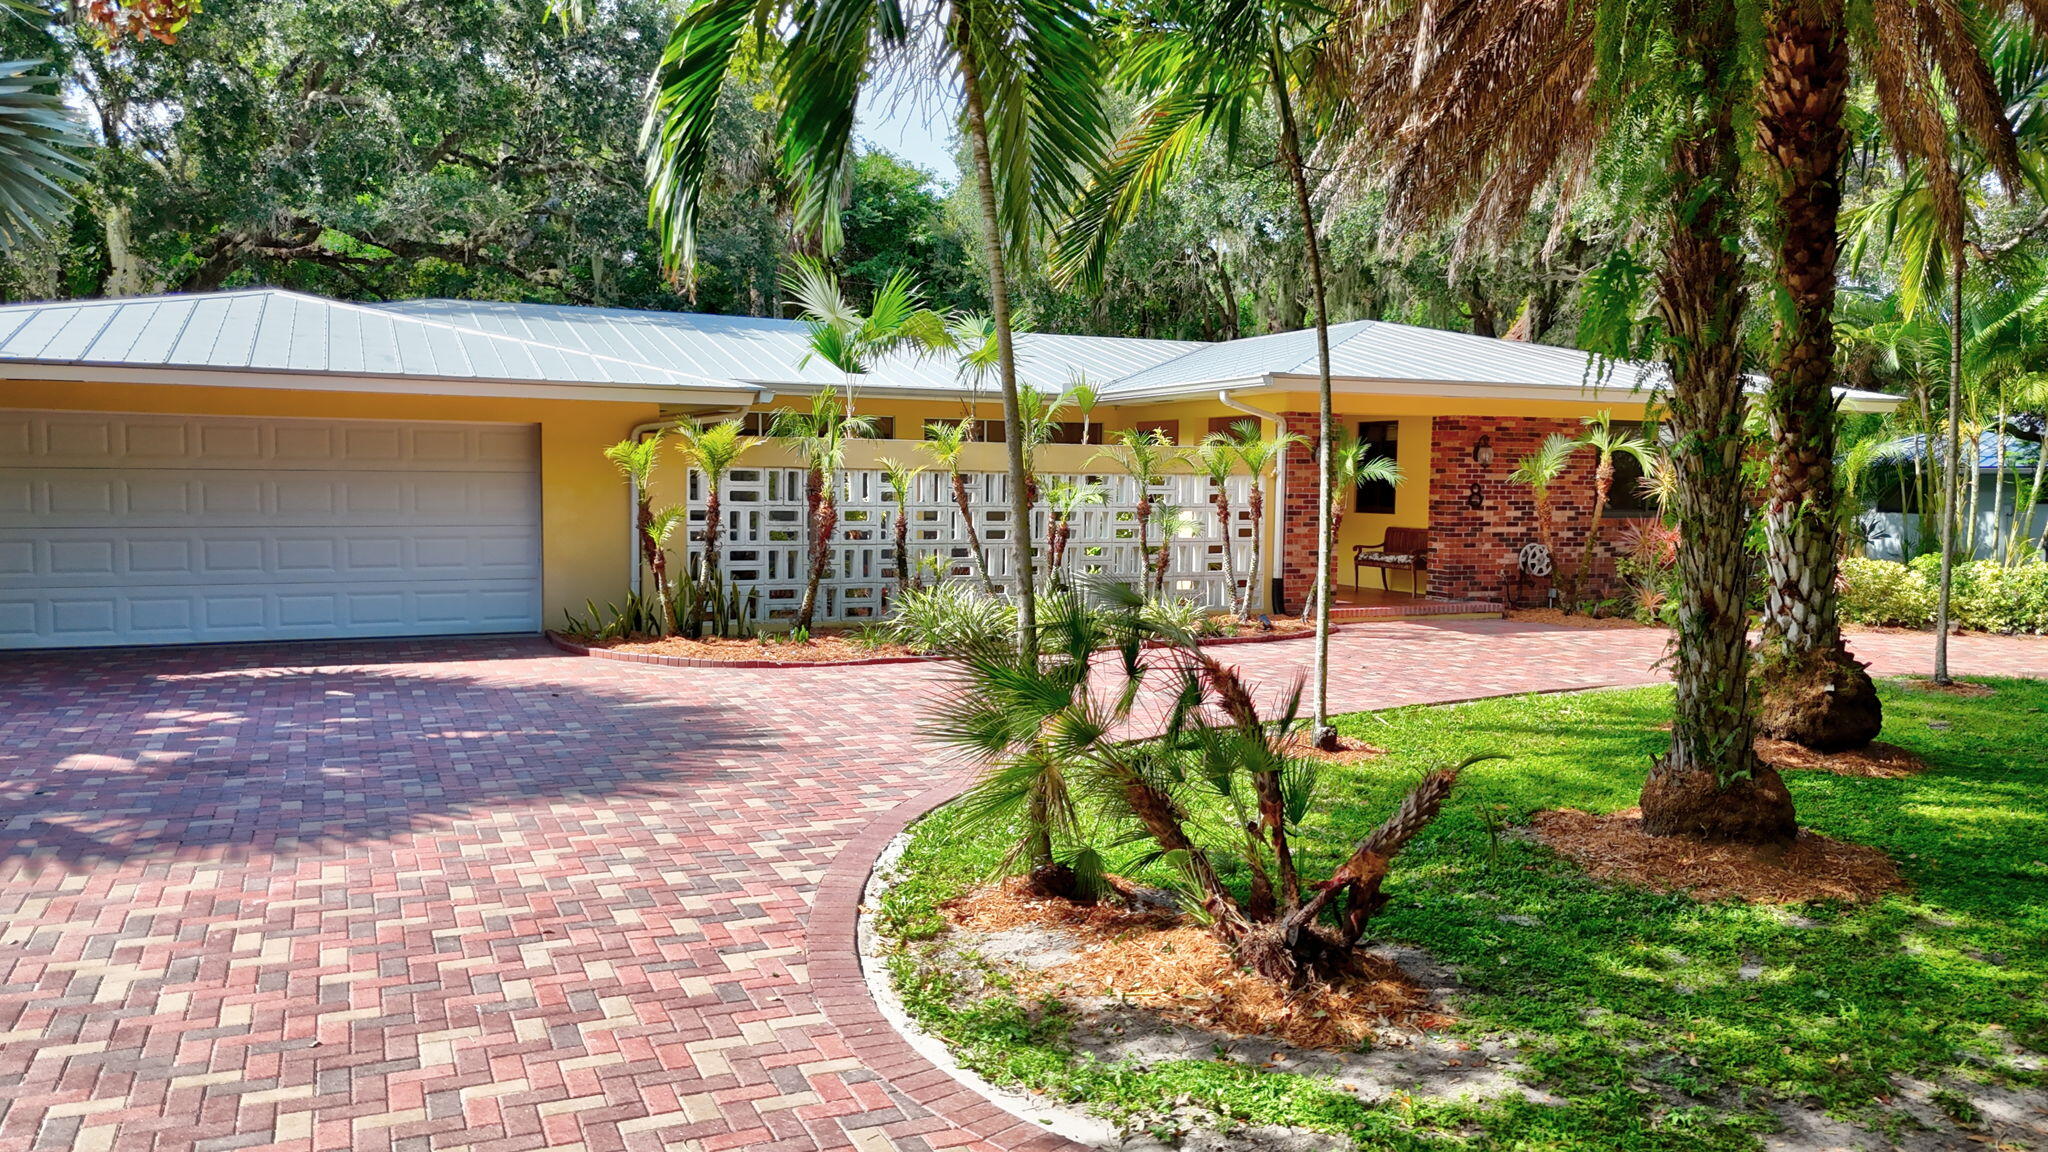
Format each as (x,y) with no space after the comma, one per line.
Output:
(1893,528)
(268,465)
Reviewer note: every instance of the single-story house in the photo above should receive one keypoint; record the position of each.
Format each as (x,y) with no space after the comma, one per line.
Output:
(264,464)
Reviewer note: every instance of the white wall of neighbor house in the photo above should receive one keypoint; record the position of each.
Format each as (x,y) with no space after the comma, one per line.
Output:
(1894,535)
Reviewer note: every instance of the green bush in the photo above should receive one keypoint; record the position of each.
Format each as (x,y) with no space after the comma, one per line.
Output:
(1885,592)
(1985,596)
(953,620)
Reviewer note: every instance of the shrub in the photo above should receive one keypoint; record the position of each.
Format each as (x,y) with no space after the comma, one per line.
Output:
(1885,592)
(953,620)
(1985,596)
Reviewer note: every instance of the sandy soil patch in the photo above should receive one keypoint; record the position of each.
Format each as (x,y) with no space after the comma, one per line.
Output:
(1815,867)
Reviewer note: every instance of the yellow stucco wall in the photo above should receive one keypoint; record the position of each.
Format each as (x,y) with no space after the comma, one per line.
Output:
(584,528)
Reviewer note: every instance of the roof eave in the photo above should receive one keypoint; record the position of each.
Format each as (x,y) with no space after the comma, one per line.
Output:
(220,377)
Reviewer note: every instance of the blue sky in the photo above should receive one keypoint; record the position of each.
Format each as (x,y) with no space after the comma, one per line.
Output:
(912,118)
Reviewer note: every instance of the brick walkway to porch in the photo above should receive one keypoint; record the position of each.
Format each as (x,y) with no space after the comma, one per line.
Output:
(483,895)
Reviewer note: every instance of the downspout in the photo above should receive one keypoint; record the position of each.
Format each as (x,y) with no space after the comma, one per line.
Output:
(640,431)
(1277,529)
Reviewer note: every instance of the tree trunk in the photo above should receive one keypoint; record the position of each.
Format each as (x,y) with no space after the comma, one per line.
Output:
(1257,498)
(1603,486)
(1324,734)
(126,275)
(1222,502)
(712,528)
(1813,692)
(1006,355)
(988,582)
(824,518)
(902,546)
(1953,460)
(1710,783)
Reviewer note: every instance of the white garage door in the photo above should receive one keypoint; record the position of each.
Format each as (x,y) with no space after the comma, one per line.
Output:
(140,529)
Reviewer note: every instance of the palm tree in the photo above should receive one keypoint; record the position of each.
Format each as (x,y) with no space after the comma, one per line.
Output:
(1216,457)
(636,460)
(1063,498)
(946,443)
(1605,442)
(1539,470)
(850,340)
(39,141)
(715,448)
(1259,454)
(1033,121)
(819,436)
(902,478)
(1145,456)
(1204,67)
(1350,467)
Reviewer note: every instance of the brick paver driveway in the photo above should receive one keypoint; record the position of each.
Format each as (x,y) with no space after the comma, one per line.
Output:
(482,895)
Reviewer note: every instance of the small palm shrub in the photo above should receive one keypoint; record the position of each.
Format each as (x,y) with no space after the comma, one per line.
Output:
(1219,793)
(1176,614)
(953,620)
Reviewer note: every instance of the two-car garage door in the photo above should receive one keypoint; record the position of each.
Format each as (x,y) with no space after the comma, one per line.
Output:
(148,529)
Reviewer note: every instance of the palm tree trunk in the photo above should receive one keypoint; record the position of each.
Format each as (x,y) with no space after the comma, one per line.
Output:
(1603,487)
(1257,497)
(988,582)
(902,545)
(1952,463)
(1710,783)
(2026,512)
(1006,354)
(1290,154)
(1144,531)
(1814,693)
(824,517)
(711,528)
(1222,501)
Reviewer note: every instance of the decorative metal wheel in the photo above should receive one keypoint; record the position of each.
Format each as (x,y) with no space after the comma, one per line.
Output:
(1535,560)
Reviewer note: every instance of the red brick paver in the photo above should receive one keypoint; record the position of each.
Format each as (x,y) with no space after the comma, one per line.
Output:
(485,895)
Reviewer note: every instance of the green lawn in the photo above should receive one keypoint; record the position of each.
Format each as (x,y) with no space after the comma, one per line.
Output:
(1628,1004)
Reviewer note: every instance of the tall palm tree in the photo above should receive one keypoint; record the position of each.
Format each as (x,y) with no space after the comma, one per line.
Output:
(1606,444)
(714,448)
(1033,121)
(947,443)
(1204,67)
(1260,454)
(819,435)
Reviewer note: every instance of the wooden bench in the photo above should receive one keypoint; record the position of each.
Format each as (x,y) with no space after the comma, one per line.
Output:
(1403,549)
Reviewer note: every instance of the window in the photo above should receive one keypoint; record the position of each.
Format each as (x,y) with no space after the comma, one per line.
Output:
(1168,430)
(1069,432)
(1627,500)
(763,424)
(1378,440)
(1228,424)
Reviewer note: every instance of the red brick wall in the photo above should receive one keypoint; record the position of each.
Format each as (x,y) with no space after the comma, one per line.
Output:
(1472,548)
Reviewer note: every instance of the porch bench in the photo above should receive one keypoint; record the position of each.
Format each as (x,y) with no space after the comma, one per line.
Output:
(1403,549)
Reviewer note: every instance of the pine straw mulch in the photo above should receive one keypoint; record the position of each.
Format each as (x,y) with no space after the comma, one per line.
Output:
(1959,688)
(1558,617)
(1877,761)
(1158,960)
(1813,868)
(824,647)
(1350,750)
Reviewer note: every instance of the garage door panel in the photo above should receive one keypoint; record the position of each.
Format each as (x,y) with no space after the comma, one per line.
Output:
(92,440)
(148,529)
(60,498)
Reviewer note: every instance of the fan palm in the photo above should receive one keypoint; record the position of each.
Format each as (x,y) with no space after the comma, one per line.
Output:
(39,141)
(714,448)
(1033,121)
(819,435)
(1204,67)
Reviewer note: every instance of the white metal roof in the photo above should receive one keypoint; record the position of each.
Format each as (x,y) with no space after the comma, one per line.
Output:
(271,330)
(277,332)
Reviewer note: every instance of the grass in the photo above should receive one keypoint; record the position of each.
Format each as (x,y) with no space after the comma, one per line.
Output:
(1627,1005)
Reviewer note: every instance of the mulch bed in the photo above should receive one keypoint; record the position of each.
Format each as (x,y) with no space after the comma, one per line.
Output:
(1350,750)
(1878,761)
(1558,617)
(1959,688)
(1158,960)
(824,648)
(1614,847)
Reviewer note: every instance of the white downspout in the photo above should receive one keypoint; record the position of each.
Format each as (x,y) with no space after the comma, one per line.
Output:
(633,564)
(1277,528)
